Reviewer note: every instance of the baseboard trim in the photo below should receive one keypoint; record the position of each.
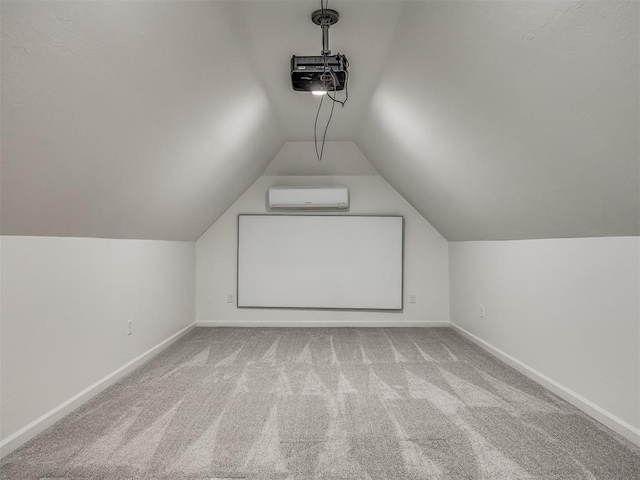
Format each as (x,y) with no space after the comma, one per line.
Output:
(616,424)
(26,433)
(321,323)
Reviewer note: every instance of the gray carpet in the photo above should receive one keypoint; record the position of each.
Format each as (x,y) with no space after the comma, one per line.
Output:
(348,403)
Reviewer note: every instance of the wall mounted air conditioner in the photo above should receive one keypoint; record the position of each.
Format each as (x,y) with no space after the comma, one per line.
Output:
(308,198)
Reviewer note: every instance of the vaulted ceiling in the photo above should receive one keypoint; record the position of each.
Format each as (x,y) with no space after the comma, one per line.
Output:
(495,120)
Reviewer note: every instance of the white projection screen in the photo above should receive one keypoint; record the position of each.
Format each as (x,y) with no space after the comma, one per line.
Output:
(320,261)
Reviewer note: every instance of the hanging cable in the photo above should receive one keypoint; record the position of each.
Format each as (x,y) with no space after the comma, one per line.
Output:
(334,100)
(346,82)
(315,128)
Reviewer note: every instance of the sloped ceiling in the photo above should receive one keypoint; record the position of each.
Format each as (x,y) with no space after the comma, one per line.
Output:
(495,120)
(127,119)
(511,120)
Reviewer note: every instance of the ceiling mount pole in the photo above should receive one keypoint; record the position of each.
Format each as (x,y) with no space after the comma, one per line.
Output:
(325,18)
(325,36)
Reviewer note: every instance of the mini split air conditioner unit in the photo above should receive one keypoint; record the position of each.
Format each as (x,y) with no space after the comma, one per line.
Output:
(308,198)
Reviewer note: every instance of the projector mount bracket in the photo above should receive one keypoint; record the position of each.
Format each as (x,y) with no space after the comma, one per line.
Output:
(325,17)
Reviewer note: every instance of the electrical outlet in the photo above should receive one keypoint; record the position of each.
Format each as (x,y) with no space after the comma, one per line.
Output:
(412,299)
(129,327)
(230,298)
(481,311)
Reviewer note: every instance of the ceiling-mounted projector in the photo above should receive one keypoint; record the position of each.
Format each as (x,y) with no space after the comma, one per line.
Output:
(325,72)
(318,73)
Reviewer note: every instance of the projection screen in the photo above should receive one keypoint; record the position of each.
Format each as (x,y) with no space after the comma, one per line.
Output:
(320,261)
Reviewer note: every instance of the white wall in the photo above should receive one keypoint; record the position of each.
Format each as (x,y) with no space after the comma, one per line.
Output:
(338,158)
(567,308)
(425,268)
(65,307)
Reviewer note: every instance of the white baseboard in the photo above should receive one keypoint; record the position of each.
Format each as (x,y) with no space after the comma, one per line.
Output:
(616,424)
(26,433)
(321,323)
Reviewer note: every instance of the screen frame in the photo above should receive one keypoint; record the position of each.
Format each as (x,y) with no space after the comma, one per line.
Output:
(342,309)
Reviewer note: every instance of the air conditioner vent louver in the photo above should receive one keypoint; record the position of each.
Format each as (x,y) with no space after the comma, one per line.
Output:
(308,198)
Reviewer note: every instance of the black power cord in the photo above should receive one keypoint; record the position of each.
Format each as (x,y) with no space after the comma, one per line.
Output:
(345,62)
(315,126)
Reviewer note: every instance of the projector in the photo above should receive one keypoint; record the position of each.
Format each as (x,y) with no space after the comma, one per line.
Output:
(319,73)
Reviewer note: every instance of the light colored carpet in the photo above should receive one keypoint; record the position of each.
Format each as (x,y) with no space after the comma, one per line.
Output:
(342,403)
